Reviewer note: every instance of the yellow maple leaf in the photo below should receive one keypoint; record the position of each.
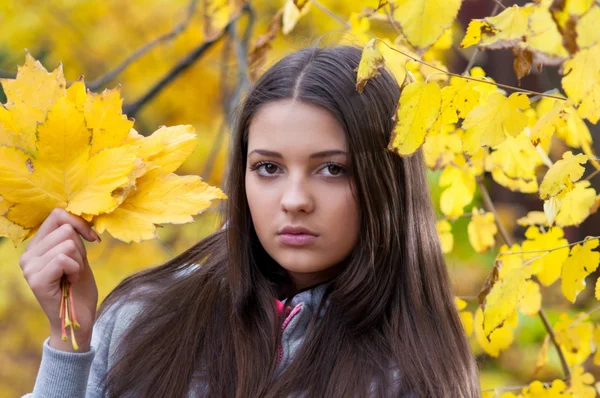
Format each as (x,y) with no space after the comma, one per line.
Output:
(537,389)
(488,123)
(544,38)
(458,99)
(500,31)
(546,124)
(533,218)
(423,22)
(574,336)
(481,230)
(358,34)
(167,199)
(581,262)
(587,30)
(418,109)
(29,97)
(581,81)
(560,178)
(439,149)
(508,260)
(517,159)
(582,383)
(87,162)
(473,33)
(444,230)
(499,339)
(466,317)
(370,62)
(461,188)
(293,10)
(504,297)
(576,204)
(531,302)
(549,255)
(103,116)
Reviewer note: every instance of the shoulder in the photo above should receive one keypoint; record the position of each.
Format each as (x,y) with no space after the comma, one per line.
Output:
(108,330)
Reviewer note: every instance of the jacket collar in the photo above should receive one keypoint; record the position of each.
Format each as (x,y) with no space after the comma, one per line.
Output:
(310,297)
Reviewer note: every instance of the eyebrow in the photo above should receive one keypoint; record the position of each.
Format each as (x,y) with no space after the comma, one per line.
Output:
(321,154)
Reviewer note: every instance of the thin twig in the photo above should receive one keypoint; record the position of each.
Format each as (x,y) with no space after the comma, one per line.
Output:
(241,51)
(468,77)
(552,249)
(490,205)
(498,3)
(389,11)
(102,80)
(512,388)
(583,315)
(542,314)
(330,13)
(187,61)
(591,175)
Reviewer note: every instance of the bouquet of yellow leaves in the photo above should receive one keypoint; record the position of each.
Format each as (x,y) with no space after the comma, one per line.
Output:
(74,149)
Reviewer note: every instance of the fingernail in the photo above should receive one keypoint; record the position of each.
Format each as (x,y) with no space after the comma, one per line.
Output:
(97,236)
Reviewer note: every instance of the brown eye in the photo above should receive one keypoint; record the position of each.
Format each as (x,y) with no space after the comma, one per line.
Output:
(270,168)
(334,169)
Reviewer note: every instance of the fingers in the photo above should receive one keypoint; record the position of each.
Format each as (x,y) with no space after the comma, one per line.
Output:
(59,217)
(65,252)
(53,271)
(63,233)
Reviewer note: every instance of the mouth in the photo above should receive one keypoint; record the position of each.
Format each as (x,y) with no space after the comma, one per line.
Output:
(297,239)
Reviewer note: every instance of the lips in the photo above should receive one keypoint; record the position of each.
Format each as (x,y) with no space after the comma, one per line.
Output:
(297,235)
(297,230)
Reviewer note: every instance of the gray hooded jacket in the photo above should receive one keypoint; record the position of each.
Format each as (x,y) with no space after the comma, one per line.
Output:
(79,375)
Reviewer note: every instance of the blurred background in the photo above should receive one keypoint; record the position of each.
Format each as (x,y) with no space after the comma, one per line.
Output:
(196,75)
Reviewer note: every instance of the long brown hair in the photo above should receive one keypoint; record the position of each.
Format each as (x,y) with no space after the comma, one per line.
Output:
(391,306)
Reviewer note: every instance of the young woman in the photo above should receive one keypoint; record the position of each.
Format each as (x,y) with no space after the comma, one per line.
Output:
(328,280)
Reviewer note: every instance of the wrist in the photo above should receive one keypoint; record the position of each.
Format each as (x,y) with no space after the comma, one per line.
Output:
(83,341)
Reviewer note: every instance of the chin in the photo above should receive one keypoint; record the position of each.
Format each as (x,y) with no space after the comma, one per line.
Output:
(295,261)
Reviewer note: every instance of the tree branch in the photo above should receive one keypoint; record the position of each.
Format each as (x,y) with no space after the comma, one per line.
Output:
(229,101)
(102,80)
(490,206)
(187,61)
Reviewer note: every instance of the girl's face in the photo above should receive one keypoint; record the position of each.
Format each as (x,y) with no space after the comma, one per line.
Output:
(297,175)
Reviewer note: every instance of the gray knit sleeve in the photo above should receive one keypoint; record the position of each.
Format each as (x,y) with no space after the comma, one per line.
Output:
(80,374)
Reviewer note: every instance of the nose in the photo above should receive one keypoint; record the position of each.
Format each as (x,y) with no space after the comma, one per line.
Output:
(297,196)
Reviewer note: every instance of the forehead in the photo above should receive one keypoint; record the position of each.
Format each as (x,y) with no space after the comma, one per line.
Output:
(295,127)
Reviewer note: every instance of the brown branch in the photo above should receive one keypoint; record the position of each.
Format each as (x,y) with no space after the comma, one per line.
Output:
(390,14)
(490,206)
(102,80)
(187,61)
(241,54)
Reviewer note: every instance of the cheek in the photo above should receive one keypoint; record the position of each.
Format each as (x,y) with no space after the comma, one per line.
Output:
(260,204)
(342,220)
